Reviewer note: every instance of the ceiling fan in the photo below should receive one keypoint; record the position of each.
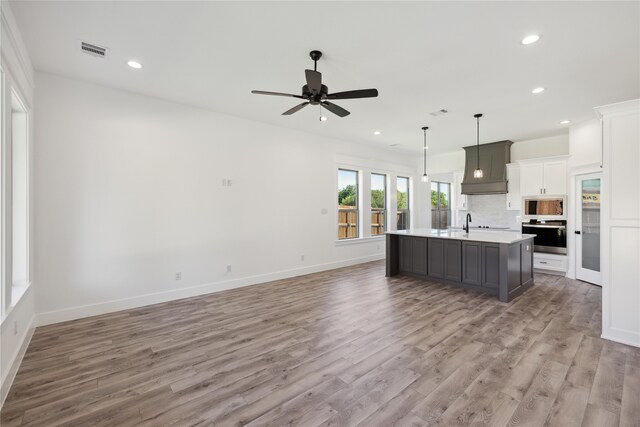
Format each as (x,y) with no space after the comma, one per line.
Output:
(315,93)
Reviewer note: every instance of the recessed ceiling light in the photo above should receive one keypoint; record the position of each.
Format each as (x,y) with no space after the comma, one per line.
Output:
(323,118)
(565,122)
(134,64)
(530,39)
(377,132)
(538,90)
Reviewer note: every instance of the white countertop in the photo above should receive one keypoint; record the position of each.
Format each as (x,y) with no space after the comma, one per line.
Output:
(473,235)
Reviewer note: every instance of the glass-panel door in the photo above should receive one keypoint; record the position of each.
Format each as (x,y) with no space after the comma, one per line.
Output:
(588,228)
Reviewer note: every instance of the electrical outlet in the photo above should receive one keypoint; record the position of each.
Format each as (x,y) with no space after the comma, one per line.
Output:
(229,183)
(229,268)
(15,327)
(323,211)
(178,275)
(378,247)
(301,257)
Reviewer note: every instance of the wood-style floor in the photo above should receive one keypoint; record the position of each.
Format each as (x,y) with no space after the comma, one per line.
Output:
(344,347)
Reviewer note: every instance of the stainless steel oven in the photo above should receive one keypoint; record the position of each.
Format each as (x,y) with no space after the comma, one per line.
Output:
(551,236)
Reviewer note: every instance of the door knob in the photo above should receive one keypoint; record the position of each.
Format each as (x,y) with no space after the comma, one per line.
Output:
(577,232)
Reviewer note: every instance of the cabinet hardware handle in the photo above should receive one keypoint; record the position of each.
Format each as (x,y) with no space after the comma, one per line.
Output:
(543,262)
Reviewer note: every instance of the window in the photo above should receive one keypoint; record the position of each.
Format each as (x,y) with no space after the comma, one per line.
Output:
(347,204)
(440,206)
(402,216)
(19,196)
(378,204)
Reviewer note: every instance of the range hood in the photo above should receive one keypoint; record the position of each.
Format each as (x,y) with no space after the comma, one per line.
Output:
(493,162)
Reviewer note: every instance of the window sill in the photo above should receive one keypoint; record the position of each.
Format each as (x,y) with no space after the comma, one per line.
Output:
(18,290)
(359,240)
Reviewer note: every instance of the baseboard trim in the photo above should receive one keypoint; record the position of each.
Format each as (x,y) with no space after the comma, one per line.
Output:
(80,312)
(17,360)
(623,337)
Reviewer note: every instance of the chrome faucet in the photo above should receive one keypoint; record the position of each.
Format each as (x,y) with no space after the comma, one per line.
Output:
(467,221)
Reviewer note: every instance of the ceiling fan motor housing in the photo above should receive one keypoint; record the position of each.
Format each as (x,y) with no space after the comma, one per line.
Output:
(315,98)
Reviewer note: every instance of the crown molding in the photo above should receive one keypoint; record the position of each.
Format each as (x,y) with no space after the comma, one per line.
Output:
(15,44)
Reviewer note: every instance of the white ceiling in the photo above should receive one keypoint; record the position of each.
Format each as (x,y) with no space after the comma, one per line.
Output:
(421,56)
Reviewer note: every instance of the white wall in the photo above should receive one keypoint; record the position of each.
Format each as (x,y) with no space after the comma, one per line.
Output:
(557,145)
(453,161)
(129,191)
(585,143)
(620,224)
(17,315)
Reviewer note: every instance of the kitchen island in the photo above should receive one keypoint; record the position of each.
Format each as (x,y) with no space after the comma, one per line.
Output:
(494,262)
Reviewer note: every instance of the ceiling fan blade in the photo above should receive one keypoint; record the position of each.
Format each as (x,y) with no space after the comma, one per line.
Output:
(262,92)
(335,109)
(314,80)
(296,108)
(353,94)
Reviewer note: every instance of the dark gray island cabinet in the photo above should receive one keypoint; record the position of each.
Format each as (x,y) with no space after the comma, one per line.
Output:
(497,263)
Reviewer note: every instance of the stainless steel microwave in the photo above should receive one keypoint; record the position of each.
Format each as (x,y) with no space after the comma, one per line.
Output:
(544,207)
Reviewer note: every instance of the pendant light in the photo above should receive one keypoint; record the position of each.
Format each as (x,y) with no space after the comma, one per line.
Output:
(477,174)
(425,177)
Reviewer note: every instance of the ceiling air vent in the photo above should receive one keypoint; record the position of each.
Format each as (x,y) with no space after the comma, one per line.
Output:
(93,50)
(439,112)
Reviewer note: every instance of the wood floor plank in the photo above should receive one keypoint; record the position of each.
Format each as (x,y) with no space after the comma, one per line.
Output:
(569,406)
(606,390)
(630,409)
(536,404)
(342,347)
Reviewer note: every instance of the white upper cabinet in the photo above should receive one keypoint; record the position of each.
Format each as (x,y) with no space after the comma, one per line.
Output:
(513,187)
(555,178)
(543,178)
(531,179)
(460,199)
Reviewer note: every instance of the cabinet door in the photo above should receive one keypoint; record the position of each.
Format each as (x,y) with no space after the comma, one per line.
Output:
(452,260)
(555,178)
(419,248)
(472,263)
(405,254)
(436,258)
(531,179)
(461,199)
(491,261)
(526,262)
(513,187)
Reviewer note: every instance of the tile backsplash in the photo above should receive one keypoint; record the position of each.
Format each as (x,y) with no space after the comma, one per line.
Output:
(490,210)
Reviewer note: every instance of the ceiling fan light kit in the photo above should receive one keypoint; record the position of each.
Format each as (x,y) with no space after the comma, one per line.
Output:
(315,93)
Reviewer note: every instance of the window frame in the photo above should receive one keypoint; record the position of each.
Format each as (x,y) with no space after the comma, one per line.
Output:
(357,206)
(407,222)
(385,197)
(437,212)
(15,291)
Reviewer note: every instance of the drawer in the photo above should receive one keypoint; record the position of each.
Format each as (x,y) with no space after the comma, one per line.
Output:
(546,262)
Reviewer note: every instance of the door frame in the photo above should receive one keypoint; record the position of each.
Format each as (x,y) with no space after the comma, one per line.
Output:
(571,211)
(586,275)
